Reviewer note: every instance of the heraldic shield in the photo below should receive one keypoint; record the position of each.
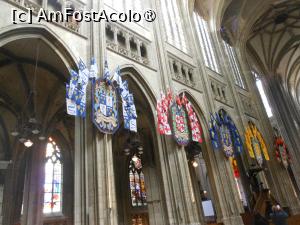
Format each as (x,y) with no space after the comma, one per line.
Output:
(179,125)
(105,107)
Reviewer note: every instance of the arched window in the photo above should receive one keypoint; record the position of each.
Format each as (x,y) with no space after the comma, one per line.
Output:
(173,24)
(262,94)
(234,64)
(137,183)
(206,43)
(53,179)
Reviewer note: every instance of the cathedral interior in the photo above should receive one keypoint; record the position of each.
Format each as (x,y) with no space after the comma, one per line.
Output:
(199,123)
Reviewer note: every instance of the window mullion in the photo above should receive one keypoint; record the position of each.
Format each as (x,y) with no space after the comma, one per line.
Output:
(52,203)
(206,45)
(200,38)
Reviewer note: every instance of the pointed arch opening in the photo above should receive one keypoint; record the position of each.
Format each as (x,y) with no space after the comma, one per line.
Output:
(136,161)
(228,140)
(33,71)
(199,167)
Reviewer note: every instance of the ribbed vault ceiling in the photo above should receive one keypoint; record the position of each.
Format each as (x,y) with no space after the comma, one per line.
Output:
(22,98)
(274,43)
(272,39)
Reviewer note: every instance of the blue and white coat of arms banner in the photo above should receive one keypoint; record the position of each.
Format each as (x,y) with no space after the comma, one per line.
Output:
(105,107)
(105,95)
(76,89)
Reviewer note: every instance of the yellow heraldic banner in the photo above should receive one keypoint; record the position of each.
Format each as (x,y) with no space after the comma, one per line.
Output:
(255,144)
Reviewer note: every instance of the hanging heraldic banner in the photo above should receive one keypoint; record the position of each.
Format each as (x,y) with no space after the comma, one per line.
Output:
(105,107)
(179,124)
(281,152)
(256,144)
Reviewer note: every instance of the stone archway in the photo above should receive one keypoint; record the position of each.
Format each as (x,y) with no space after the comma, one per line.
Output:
(152,212)
(33,71)
(201,175)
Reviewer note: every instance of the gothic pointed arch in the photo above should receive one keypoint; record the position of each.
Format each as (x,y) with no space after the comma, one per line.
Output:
(136,155)
(200,166)
(137,76)
(56,43)
(37,61)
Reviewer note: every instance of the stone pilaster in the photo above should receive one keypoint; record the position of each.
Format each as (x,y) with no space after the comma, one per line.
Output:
(127,41)
(34,186)
(95,201)
(1,202)
(285,117)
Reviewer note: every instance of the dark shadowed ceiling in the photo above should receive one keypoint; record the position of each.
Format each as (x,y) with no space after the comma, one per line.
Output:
(20,99)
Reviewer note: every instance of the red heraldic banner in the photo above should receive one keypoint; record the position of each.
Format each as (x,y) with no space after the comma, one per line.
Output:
(162,114)
(193,120)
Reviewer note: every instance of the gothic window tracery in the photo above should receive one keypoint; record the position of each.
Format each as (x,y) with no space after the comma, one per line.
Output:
(53,179)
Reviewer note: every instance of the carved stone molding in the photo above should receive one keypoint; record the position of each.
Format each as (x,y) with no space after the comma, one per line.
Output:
(219,91)
(248,105)
(182,71)
(124,42)
(71,24)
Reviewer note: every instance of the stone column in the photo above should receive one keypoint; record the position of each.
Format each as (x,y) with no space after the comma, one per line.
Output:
(34,186)
(191,210)
(127,38)
(13,189)
(94,175)
(115,30)
(286,118)
(230,203)
(107,208)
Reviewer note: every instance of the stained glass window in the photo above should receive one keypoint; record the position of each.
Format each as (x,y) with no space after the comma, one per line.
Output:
(263,95)
(234,64)
(53,179)
(173,24)
(137,182)
(206,43)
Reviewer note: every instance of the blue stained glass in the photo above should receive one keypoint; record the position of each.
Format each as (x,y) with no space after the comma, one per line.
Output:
(56,178)
(57,187)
